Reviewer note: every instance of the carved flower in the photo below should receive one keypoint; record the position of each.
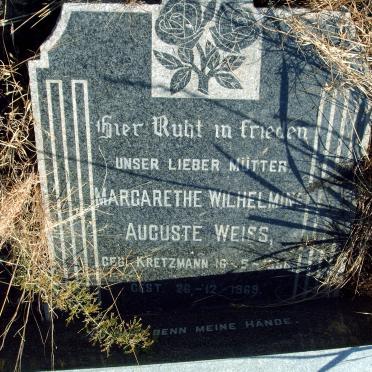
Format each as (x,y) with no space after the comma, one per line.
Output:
(235,28)
(180,23)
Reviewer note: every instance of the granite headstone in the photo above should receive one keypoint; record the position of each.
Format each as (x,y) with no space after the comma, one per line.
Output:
(194,147)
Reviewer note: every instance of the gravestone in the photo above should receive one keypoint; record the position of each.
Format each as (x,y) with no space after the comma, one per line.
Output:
(193,151)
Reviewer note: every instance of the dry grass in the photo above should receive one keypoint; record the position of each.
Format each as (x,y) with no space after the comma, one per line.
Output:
(23,243)
(16,145)
(353,267)
(347,53)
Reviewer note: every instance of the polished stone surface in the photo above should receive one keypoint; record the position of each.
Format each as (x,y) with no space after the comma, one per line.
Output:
(216,337)
(190,150)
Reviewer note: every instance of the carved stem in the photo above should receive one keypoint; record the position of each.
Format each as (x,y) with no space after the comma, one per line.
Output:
(203,83)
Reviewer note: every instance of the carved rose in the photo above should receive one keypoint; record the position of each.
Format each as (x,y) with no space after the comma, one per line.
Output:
(180,23)
(235,28)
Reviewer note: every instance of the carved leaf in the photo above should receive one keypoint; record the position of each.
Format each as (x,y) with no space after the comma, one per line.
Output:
(232,62)
(208,47)
(167,60)
(209,12)
(228,80)
(213,60)
(186,55)
(180,79)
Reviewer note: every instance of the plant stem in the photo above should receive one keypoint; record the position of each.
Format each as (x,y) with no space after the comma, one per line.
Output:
(202,57)
(203,83)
